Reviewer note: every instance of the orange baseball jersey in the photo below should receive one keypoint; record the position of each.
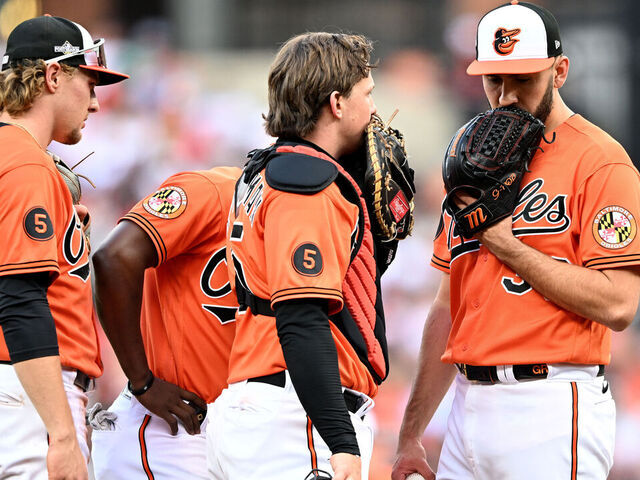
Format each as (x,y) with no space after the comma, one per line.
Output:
(286,246)
(44,234)
(188,305)
(579,204)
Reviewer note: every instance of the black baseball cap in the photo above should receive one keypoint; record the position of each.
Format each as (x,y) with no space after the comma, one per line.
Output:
(515,38)
(56,39)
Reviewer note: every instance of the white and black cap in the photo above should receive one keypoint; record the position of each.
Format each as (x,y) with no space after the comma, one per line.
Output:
(56,39)
(516,38)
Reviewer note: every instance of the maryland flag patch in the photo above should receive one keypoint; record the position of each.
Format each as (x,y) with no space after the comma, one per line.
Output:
(168,202)
(614,227)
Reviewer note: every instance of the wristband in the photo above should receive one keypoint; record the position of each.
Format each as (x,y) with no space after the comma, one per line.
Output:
(142,389)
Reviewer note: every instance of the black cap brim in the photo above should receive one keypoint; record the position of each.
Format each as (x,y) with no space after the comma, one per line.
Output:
(105,77)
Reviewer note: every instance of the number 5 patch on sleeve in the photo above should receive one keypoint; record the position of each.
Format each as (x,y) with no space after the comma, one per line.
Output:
(37,224)
(307,260)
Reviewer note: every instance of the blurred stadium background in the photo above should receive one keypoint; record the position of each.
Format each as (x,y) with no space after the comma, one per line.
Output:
(198,88)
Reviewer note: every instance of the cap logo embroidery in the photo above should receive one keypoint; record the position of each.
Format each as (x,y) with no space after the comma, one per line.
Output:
(557,44)
(66,48)
(505,41)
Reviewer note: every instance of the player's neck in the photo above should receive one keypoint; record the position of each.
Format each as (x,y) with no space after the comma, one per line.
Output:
(559,114)
(33,123)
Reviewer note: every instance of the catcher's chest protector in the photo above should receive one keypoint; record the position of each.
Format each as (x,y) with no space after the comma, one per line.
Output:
(361,321)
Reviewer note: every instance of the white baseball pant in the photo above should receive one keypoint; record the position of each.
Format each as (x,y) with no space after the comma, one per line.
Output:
(23,436)
(558,428)
(139,446)
(261,432)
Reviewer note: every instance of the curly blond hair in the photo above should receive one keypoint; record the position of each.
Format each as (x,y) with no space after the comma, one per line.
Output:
(22,84)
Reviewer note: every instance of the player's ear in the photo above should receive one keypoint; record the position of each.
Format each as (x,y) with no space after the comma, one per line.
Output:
(335,100)
(52,75)
(560,71)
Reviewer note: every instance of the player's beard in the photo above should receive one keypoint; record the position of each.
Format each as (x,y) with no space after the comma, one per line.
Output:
(73,137)
(546,104)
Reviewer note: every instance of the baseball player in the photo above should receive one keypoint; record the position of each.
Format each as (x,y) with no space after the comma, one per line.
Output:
(526,308)
(164,299)
(48,346)
(309,349)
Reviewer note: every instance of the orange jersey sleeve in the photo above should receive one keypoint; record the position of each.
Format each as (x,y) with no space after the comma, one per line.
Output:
(178,216)
(441,257)
(308,240)
(188,311)
(609,217)
(32,245)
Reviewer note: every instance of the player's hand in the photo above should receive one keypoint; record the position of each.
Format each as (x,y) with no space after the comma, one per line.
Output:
(346,466)
(65,460)
(411,458)
(494,236)
(85,221)
(168,401)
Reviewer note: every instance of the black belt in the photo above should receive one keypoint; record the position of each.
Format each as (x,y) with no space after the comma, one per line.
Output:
(489,374)
(82,381)
(353,401)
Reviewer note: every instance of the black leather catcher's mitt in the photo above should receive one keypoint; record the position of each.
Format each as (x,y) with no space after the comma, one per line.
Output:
(487,159)
(388,182)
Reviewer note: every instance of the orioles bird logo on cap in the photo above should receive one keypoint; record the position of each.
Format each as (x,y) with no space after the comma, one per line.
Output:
(505,40)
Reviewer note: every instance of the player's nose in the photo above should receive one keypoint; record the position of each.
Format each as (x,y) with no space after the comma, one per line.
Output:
(508,96)
(94,105)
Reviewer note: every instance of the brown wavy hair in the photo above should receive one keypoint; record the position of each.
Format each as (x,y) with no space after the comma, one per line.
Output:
(305,71)
(22,84)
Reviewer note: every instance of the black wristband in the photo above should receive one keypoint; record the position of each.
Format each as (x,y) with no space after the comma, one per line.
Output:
(142,389)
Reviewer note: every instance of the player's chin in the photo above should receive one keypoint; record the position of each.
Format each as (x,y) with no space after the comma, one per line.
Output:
(73,137)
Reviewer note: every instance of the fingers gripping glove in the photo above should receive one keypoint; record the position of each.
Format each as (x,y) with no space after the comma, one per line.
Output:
(388,182)
(487,159)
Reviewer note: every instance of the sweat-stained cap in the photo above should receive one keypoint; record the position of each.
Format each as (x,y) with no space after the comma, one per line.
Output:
(56,39)
(517,37)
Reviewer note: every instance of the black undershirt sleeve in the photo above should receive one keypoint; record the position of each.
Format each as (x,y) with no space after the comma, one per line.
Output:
(26,321)
(312,361)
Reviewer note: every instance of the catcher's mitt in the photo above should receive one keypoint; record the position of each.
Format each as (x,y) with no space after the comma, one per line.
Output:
(73,183)
(487,159)
(70,178)
(388,182)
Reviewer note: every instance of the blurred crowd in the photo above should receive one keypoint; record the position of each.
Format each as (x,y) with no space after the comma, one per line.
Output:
(185,111)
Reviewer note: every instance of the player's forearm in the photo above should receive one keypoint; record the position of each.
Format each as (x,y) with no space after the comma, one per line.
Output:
(605,297)
(41,378)
(118,285)
(312,361)
(433,377)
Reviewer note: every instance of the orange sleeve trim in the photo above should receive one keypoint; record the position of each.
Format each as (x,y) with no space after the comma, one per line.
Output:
(440,264)
(306,292)
(150,230)
(29,267)
(615,261)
